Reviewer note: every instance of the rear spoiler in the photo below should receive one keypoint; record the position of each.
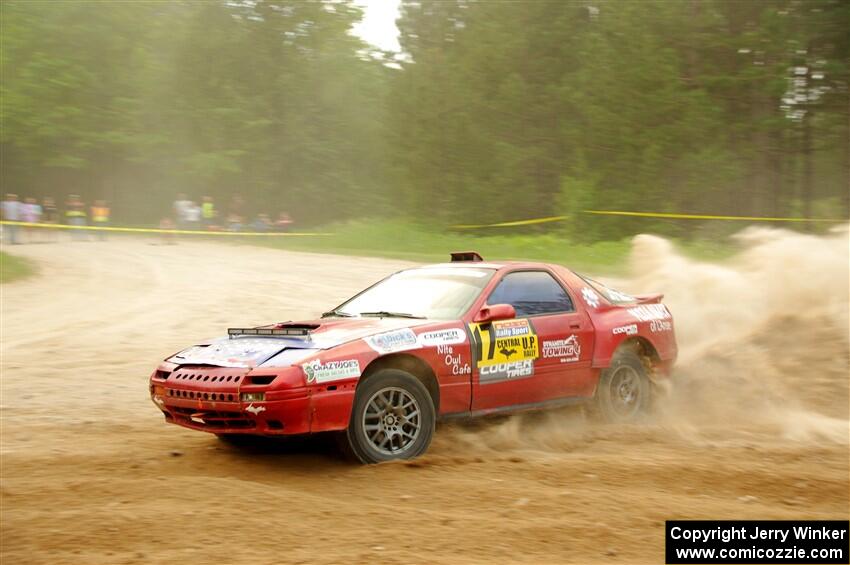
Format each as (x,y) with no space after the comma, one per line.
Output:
(648,298)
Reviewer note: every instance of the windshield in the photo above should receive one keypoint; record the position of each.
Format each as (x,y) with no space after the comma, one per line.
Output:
(428,292)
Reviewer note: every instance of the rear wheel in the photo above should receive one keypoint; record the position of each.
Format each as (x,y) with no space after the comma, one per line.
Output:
(393,418)
(623,393)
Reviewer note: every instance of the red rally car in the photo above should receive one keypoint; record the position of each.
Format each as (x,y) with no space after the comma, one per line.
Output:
(463,338)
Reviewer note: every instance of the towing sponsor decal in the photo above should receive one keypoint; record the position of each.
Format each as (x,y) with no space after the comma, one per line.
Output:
(590,297)
(567,350)
(631,329)
(504,350)
(650,312)
(451,336)
(396,340)
(318,372)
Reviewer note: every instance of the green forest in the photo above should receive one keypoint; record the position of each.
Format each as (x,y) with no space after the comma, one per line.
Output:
(492,111)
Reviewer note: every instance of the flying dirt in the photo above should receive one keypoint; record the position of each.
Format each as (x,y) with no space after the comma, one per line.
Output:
(754,426)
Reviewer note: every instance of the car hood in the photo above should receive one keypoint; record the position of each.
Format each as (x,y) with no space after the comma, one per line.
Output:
(325,333)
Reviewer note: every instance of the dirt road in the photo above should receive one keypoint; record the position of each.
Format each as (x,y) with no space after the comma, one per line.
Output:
(92,474)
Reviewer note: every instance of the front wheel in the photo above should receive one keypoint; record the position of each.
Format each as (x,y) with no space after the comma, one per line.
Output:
(393,418)
(623,393)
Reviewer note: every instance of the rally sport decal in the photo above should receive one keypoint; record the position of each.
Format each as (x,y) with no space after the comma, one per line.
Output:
(504,350)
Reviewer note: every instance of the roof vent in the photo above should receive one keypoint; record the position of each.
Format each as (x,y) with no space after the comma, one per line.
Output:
(459,256)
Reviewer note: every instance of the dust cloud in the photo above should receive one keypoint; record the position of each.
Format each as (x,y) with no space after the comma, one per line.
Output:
(763,340)
(763,336)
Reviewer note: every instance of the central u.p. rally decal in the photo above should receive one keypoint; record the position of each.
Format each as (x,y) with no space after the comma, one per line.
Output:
(505,350)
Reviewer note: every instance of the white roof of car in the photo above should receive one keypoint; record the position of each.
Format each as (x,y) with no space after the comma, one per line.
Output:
(466,265)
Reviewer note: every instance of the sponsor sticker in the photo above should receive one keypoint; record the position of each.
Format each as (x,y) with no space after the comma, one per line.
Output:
(512,328)
(505,349)
(396,340)
(631,329)
(246,352)
(649,312)
(656,326)
(567,350)
(506,371)
(451,336)
(618,296)
(454,360)
(318,372)
(590,297)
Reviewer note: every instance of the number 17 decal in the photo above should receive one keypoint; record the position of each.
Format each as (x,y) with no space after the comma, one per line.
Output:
(505,350)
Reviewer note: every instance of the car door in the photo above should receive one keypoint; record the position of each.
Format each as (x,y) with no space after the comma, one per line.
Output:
(542,354)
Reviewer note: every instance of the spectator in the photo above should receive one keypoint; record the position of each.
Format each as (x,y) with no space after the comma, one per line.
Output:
(234,222)
(75,214)
(100,218)
(262,223)
(50,216)
(167,237)
(193,216)
(12,213)
(180,207)
(208,212)
(31,213)
(237,206)
(283,222)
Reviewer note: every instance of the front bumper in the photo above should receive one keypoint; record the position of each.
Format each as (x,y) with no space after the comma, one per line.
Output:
(209,400)
(280,417)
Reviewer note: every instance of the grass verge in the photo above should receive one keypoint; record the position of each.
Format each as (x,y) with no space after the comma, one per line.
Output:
(399,240)
(14,268)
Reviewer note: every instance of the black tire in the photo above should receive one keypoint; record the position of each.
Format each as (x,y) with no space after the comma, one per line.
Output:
(624,392)
(383,421)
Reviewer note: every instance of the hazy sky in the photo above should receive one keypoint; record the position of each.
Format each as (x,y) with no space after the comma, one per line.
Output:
(378,24)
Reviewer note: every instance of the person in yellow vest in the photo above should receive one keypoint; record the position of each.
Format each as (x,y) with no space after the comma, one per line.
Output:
(100,217)
(207,212)
(75,214)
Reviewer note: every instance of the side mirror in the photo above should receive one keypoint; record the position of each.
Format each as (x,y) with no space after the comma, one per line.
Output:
(494,312)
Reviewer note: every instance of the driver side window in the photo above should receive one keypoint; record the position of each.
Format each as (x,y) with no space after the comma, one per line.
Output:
(530,293)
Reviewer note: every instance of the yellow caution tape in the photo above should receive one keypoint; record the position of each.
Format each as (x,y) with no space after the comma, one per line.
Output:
(458,226)
(509,224)
(159,230)
(644,215)
(710,217)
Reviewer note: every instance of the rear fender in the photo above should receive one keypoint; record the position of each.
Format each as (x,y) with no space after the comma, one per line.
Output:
(632,325)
